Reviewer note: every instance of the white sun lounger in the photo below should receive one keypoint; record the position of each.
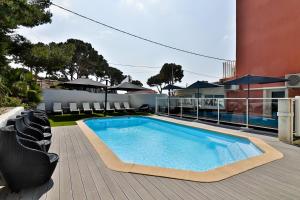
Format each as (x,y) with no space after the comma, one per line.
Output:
(41,106)
(57,108)
(73,108)
(127,107)
(108,108)
(97,107)
(118,107)
(86,108)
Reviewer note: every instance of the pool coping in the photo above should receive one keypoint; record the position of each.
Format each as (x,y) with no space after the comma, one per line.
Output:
(113,162)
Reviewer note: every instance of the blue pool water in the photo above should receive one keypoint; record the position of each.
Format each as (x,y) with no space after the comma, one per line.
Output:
(151,142)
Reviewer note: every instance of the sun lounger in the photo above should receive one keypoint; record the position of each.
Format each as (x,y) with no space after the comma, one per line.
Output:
(118,107)
(127,107)
(73,108)
(23,166)
(41,107)
(86,108)
(108,108)
(57,108)
(97,107)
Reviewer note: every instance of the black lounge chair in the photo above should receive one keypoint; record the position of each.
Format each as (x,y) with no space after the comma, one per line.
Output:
(29,130)
(21,166)
(37,117)
(144,108)
(29,122)
(29,133)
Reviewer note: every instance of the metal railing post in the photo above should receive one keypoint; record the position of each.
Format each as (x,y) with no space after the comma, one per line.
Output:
(169,107)
(181,107)
(218,101)
(156,106)
(197,108)
(247,113)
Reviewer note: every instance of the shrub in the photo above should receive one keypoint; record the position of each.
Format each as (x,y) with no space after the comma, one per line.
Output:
(33,96)
(10,102)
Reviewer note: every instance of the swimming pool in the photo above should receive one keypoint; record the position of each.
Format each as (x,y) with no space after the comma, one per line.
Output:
(156,143)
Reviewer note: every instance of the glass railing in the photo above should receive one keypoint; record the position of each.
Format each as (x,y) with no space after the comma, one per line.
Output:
(255,112)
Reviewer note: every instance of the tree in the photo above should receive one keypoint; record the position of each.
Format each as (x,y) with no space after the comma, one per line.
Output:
(170,73)
(86,60)
(137,82)
(19,13)
(49,58)
(116,76)
(155,81)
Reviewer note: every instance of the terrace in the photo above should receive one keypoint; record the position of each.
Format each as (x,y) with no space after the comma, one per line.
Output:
(81,174)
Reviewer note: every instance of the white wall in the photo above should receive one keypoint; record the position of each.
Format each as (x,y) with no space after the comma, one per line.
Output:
(136,100)
(66,96)
(10,115)
(202,91)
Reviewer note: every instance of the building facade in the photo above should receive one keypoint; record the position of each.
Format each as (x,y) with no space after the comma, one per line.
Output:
(268,44)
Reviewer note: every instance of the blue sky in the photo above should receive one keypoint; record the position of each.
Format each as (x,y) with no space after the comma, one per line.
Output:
(204,26)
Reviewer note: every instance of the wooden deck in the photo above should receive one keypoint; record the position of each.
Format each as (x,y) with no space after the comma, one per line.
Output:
(81,174)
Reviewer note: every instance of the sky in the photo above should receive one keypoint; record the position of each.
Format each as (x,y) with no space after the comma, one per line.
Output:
(202,26)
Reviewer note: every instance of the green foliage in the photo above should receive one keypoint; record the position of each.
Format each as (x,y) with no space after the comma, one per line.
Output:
(170,73)
(116,76)
(137,82)
(33,96)
(19,89)
(85,61)
(3,88)
(15,13)
(155,81)
(7,101)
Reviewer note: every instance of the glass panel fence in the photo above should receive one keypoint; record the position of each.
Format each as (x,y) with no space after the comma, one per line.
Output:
(263,113)
(162,106)
(233,111)
(189,107)
(175,107)
(208,108)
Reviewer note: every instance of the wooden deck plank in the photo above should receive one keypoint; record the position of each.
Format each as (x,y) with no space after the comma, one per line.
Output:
(65,190)
(83,166)
(53,193)
(81,174)
(103,190)
(126,188)
(76,178)
(157,194)
(163,188)
(138,188)
(104,171)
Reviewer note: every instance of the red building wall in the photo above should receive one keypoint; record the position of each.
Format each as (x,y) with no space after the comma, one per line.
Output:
(268,37)
(268,40)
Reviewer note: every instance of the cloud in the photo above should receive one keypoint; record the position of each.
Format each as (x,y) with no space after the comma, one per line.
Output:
(226,37)
(140,5)
(59,12)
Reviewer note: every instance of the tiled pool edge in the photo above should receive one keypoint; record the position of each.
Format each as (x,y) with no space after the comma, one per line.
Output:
(113,162)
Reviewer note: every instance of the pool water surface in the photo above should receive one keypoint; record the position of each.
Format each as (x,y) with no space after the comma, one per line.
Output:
(151,142)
